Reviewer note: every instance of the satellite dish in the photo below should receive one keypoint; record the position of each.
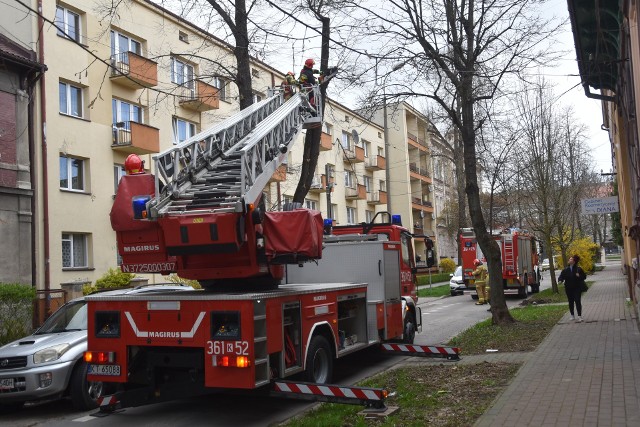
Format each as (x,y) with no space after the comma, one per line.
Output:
(355,136)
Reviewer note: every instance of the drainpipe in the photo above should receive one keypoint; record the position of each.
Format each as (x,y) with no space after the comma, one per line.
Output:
(45,175)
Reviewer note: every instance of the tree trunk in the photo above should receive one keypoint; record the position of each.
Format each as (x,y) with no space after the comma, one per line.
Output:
(241,52)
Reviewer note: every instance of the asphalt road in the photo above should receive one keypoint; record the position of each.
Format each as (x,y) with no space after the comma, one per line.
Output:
(442,319)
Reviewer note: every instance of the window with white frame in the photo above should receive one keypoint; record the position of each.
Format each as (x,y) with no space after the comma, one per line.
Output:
(368,216)
(383,185)
(349,180)
(311,204)
(334,212)
(380,151)
(118,172)
(367,147)
(257,97)
(182,73)
(67,23)
(327,128)
(182,130)
(123,113)
(351,215)
(74,250)
(71,102)
(346,140)
(367,183)
(221,85)
(71,173)
(121,44)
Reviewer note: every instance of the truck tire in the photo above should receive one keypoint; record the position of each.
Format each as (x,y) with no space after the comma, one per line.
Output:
(84,394)
(319,363)
(409,331)
(522,292)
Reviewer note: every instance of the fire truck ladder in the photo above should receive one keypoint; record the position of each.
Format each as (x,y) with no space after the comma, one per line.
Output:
(509,262)
(228,165)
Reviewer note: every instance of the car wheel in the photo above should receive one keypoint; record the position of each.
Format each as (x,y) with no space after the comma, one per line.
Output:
(319,364)
(84,394)
(454,293)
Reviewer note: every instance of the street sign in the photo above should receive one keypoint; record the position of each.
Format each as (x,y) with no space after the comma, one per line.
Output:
(601,205)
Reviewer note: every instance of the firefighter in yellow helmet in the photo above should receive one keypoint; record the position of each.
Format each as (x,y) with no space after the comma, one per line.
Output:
(481,278)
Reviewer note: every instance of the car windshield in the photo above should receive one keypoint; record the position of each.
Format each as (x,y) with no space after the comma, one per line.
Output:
(70,317)
(458,271)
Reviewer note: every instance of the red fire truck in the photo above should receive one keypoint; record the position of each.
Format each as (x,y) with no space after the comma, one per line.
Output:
(265,312)
(519,250)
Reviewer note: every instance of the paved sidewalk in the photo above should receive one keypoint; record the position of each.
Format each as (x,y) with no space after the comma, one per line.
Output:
(583,374)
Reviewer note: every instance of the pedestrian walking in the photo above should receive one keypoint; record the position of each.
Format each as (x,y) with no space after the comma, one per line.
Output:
(573,278)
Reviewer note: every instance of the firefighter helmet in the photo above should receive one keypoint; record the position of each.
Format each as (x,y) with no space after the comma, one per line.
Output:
(290,73)
(309,63)
(477,262)
(134,165)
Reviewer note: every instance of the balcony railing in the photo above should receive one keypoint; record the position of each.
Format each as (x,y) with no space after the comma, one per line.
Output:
(134,71)
(413,167)
(199,97)
(417,140)
(359,192)
(317,184)
(354,154)
(377,197)
(136,138)
(375,163)
(325,142)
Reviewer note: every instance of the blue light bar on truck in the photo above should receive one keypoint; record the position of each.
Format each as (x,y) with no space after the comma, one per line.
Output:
(396,219)
(140,206)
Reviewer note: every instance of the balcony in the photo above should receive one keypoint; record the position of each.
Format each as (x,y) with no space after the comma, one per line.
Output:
(419,173)
(135,138)
(325,142)
(203,97)
(317,184)
(417,142)
(357,193)
(354,154)
(421,205)
(280,174)
(377,198)
(133,71)
(375,163)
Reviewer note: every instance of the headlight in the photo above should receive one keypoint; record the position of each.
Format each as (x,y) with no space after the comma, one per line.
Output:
(50,354)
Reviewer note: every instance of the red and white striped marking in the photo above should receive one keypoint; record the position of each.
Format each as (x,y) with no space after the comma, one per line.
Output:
(330,391)
(422,349)
(107,401)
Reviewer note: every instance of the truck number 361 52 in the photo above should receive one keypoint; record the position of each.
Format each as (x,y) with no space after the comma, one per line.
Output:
(228,347)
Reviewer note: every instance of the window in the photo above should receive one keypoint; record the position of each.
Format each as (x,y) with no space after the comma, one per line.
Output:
(351,215)
(221,85)
(367,183)
(380,151)
(346,140)
(383,185)
(183,37)
(348,179)
(334,212)
(68,23)
(70,100)
(74,250)
(368,216)
(311,204)
(367,147)
(121,45)
(123,113)
(71,173)
(255,73)
(182,130)
(380,135)
(182,73)
(328,129)
(256,97)
(118,172)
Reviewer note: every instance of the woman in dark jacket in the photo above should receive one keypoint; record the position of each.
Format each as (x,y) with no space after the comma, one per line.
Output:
(573,277)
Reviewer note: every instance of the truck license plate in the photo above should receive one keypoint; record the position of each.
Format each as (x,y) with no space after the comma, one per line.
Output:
(110,370)
(6,383)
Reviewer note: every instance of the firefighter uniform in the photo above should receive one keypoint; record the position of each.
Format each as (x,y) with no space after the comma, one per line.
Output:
(481,278)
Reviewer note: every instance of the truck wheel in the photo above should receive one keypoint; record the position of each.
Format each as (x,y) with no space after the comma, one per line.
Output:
(409,332)
(319,364)
(522,292)
(7,408)
(84,394)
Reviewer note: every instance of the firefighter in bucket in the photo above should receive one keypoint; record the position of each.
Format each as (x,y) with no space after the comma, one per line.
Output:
(481,278)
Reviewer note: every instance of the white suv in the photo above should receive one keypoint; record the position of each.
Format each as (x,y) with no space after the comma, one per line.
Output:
(49,363)
(456,283)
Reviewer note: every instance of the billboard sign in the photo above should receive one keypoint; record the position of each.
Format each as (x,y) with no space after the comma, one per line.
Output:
(600,205)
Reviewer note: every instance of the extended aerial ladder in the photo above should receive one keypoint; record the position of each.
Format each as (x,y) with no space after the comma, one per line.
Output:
(201,211)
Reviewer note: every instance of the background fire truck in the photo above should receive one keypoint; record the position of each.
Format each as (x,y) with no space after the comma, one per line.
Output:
(519,251)
(266,313)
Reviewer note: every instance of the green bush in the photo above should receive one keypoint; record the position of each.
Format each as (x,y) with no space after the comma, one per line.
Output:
(447,265)
(112,279)
(16,311)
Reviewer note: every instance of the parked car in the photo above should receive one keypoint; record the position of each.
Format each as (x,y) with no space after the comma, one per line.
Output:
(49,363)
(456,283)
(545,264)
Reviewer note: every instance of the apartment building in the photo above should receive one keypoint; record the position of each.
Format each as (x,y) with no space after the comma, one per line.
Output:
(352,153)
(19,102)
(444,196)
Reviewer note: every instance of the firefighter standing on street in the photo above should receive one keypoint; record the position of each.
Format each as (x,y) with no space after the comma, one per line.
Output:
(481,277)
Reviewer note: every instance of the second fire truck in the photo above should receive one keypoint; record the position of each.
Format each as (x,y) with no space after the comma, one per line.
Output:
(519,252)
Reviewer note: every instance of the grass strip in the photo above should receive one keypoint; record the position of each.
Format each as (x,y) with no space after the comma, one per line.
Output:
(435,291)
